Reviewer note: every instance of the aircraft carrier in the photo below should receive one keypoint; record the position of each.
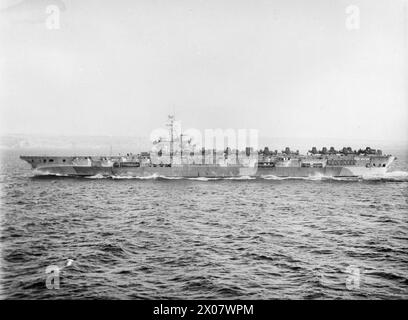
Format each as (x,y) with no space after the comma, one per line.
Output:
(182,161)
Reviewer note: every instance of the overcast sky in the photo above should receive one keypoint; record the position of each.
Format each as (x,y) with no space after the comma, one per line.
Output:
(287,68)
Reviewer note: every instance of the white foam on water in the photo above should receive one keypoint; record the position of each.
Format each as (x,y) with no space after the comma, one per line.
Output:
(240,178)
(123,177)
(97,176)
(150,177)
(315,177)
(153,176)
(170,178)
(396,176)
(388,176)
(343,178)
(272,177)
(203,179)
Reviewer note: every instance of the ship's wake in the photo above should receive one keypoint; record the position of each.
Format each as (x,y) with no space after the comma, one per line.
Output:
(394,176)
(398,176)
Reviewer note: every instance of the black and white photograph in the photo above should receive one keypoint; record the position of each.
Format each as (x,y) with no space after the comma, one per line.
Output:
(203,150)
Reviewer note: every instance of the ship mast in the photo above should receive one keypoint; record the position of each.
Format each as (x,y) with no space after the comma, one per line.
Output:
(171,124)
(181,147)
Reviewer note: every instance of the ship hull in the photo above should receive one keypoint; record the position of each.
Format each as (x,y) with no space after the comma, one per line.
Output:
(89,166)
(208,171)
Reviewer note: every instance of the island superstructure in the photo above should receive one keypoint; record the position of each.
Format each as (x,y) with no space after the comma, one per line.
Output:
(178,161)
